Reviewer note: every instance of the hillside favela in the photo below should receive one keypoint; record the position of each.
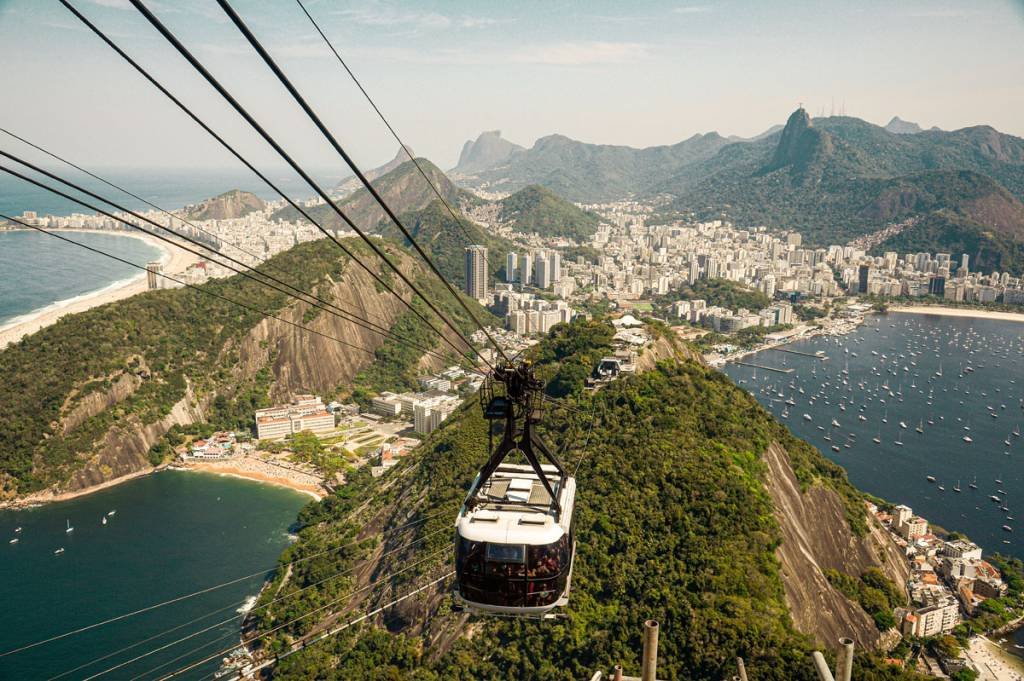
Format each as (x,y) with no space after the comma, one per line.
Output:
(459,341)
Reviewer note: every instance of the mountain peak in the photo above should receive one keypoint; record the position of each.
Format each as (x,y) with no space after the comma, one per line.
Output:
(799,143)
(488,150)
(227,206)
(899,126)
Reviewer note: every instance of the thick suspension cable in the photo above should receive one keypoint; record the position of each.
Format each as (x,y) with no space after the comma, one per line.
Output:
(189,286)
(391,129)
(202,70)
(245,271)
(251,639)
(332,140)
(169,214)
(194,594)
(302,211)
(330,631)
(350,623)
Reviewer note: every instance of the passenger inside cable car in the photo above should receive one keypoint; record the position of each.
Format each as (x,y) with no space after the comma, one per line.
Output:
(513,575)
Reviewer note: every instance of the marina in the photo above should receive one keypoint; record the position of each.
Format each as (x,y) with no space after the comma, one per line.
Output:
(766,368)
(923,410)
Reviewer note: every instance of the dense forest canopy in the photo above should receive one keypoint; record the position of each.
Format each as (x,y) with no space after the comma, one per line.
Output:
(673,523)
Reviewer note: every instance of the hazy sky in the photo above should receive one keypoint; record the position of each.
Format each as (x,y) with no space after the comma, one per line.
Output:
(612,72)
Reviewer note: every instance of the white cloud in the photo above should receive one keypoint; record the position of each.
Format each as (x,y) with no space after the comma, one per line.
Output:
(582,53)
(379,14)
(692,9)
(552,54)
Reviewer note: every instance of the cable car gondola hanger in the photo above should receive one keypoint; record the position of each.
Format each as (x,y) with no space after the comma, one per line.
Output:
(515,541)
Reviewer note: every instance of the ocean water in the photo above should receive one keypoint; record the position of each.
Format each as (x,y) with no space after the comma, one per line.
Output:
(897,358)
(173,533)
(37,270)
(169,189)
(988,399)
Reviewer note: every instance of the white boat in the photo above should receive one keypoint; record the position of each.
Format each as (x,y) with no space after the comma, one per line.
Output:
(104,520)
(903,424)
(111,512)
(70,529)
(930,478)
(17,529)
(967,439)
(835,424)
(13,541)
(807,417)
(59,551)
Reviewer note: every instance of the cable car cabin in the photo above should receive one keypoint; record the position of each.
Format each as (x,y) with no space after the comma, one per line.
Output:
(515,550)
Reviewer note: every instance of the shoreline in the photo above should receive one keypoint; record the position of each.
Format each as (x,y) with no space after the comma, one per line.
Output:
(315,492)
(49,497)
(174,260)
(993,661)
(211,468)
(975,313)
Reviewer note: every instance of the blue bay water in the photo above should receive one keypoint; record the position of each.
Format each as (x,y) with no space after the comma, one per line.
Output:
(988,400)
(173,533)
(37,270)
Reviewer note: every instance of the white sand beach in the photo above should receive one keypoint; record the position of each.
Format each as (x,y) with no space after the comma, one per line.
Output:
(175,260)
(976,313)
(994,663)
(254,468)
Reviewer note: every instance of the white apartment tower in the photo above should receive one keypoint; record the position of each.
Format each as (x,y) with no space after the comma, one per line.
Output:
(511,263)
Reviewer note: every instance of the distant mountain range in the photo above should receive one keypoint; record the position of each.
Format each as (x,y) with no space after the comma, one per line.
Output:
(832,178)
(534,209)
(352,183)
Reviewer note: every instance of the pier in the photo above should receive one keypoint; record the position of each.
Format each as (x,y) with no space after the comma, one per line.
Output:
(761,366)
(814,355)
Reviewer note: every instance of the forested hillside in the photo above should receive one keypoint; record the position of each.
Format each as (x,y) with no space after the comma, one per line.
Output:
(85,399)
(833,179)
(540,210)
(839,178)
(402,188)
(673,522)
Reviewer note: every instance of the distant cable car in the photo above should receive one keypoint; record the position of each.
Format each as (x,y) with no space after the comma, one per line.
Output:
(515,543)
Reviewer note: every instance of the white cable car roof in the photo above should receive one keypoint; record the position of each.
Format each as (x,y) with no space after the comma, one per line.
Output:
(499,517)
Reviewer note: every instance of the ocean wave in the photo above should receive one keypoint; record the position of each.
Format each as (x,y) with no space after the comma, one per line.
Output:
(67,302)
(247,605)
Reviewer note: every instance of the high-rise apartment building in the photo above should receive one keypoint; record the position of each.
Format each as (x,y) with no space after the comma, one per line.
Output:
(476,271)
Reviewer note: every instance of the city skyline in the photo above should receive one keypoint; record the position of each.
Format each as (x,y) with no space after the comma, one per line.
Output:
(655,75)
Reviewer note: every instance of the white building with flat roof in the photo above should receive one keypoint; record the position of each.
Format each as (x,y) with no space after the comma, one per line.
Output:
(306,412)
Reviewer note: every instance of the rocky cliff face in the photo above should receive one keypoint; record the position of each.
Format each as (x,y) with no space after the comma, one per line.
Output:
(816,538)
(800,144)
(485,152)
(299,361)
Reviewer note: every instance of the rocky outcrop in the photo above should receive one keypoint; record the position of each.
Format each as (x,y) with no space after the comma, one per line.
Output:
(227,206)
(301,362)
(800,145)
(485,152)
(304,362)
(92,404)
(124,448)
(816,537)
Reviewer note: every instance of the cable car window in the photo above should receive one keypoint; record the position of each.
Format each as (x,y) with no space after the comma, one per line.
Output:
(506,553)
(545,561)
